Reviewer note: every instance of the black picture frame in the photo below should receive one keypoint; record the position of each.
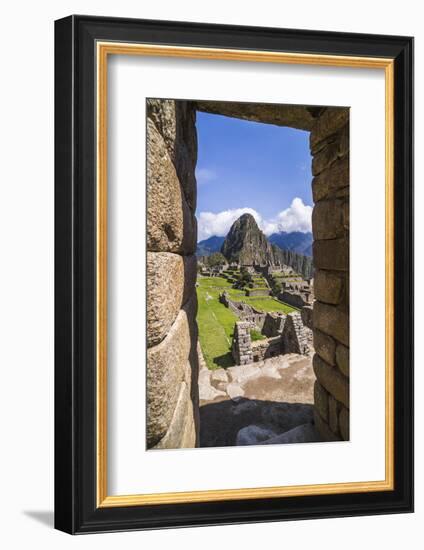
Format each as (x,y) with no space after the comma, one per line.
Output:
(75,275)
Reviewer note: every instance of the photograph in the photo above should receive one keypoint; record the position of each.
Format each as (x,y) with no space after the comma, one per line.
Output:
(247,273)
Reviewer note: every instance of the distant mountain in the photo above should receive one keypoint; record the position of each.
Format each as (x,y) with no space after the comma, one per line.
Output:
(300,263)
(247,245)
(296,241)
(209,246)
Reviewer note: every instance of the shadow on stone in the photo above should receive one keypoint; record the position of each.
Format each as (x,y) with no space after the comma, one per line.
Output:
(224,361)
(221,422)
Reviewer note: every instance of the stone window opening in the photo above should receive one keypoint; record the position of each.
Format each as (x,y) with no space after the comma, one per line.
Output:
(172,393)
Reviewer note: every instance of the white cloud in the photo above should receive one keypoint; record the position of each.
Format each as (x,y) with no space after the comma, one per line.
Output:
(209,224)
(205,175)
(298,217)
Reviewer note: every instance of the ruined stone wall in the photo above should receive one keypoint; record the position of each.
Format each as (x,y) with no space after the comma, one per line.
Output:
(242,344)
(244,311)
(172,371)
(306,313)
(329,142)
(295,299)
(273,324)
(296,337)
(262,349)
(258,292)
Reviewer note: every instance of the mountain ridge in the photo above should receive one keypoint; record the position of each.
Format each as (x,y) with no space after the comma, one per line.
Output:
(246,244)
(208,246)
(293,240)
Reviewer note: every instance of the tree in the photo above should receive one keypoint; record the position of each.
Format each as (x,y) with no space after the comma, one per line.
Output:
(243,279)
(216,259)
(276,288)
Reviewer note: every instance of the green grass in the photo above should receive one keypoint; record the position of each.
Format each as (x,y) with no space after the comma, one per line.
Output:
(256,335)
(287,278)
(267,303)
(214,283)
(259,284)
(259,288)
(216,322)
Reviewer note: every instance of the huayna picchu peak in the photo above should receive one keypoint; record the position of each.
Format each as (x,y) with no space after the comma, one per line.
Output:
(247,245)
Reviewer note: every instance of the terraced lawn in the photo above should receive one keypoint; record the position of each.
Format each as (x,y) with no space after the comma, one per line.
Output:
(216,322)
(268,303)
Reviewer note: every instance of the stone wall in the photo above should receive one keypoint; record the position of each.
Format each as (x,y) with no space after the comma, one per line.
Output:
(262,349)
(244,311)
(296,338)
(329,143)
(295,299)
(172,364)
(306,314)
(258,292)
(293,337)
(273,324)
(242,344)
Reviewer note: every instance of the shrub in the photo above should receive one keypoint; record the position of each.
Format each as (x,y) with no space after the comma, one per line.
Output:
(256,335)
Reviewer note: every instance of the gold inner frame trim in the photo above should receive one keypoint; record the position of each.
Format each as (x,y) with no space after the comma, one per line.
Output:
(103,50)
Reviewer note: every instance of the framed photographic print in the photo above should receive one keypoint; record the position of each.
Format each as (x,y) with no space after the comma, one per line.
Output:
(233,274)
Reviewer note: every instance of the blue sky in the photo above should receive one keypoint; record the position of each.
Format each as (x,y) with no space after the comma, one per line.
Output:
(253,167)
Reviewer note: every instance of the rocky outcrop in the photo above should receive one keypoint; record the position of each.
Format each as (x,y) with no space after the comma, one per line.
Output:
(246,244)
(295,241)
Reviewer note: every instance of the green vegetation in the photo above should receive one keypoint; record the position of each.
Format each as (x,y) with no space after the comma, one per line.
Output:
(267,303)
(256,335)
(300,264)
(216,259)
(243,278)
(258,282)
(276,288)
(216,322)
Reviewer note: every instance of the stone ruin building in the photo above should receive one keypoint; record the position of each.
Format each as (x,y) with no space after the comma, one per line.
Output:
(214,271)
(284,333)
(297,294)
(289,335)
(172,374)
(244,311)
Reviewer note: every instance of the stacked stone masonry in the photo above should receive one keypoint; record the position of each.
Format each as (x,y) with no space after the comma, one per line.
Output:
(172,388)
(296,337)
(244,312)
(329,143)
(289,335)
(242,343)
